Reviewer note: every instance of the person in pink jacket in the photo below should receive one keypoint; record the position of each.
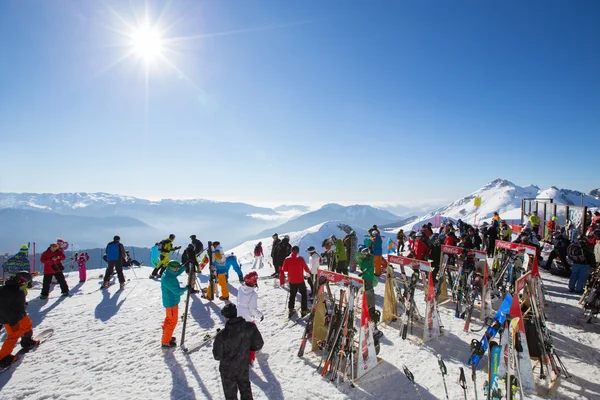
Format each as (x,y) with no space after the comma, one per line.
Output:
(81,261)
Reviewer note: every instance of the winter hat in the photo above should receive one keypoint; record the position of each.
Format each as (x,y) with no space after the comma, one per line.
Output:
(295,249)
(216,243)
(311,249)
(229,311)
(116,238)
(24,249)
(275,235)
(54,246)
(554,218)
(365,250)
(172,236)
(193,237)
(174,266)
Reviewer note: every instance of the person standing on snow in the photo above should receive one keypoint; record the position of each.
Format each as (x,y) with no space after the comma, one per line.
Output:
(221,270)
(52,259)
(295,266)
(81,261)
(401,237)
(18,263)
(315,261)
(505,233)
(350,243)
(377,250)
(535,222)
(198,246)
(13,316)
(248,303)
(284,248)
(189,260)
(274,246)
(171,296)
(258,256)
(365,262)
(115,257)
(341,259)
(232,347)
(164,247)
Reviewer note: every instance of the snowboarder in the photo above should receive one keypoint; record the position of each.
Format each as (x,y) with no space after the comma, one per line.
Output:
(248,303)
(341,259)
(13,316)
(115,257)
(188,258)
(171,295)
(232,347)
(391,246)
(81,261)
(274,246)
(164,247)
(315,261)
(258,256)
(350,243)
(52,259)
(295,266)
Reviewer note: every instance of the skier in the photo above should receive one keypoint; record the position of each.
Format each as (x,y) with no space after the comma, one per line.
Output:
(474,239)
(274,246)
(52,259)
(421,250)
(165,247)
(232,347)
(315,261)
(341,259)
(115,256)
(188,258)
(350,243)
(248,303)
(171,295)
(222,269)
(581,257)
(81,261)
(505,232)
(365,262)
(401,237)
(198,246)
(451,239)
(552,227)
(535,222)
(281,252)
(377,250)
(18,263)
(13,316)
(258,256)
(295,266)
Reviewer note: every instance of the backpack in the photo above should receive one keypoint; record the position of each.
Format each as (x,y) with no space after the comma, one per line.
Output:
(575,254)
(161,245)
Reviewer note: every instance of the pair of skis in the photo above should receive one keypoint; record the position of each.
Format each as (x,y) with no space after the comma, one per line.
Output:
(409,308)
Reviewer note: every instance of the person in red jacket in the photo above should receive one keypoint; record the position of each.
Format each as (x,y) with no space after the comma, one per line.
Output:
(52,259)
(295,266)
(421,251)
(451,239)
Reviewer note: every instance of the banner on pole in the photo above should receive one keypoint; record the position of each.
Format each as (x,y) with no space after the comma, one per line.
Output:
(367,359)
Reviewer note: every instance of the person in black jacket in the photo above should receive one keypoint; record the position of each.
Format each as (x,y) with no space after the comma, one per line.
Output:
(560,243)
(232,347)
(190,261)
(198,246)
(14,317)
(491,235)
(276,242)
(284,249)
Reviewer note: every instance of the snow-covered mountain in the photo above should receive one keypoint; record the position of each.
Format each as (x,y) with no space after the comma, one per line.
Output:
(505,197)
(595,193)
(357,216)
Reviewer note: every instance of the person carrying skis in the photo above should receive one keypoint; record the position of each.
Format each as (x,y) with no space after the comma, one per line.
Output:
(295,266)
(283,250)
(115,257)
(248,303)
(189,260)
(52,259)
(400,237)
(341,259)
(350,242)
(274,246)
(232,347)
(365,262)
(81,261)
(258,256)
(221,271)
(315,261)
(171,295)
(164,247)
(13,316)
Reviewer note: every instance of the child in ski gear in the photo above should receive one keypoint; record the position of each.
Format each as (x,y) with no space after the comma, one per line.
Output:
(164,247)
(295,266)
(258,256)
(315,261)
(52,259)
(171,295)
(582,259)
(248,303)
(81,261)
(283,250)
(189,260)
(341,259)
(400,237)
(275,244)
(14,317)
(350,242)
(115,257)
(232,347)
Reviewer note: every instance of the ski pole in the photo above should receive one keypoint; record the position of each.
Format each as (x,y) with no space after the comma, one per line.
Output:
(411,378)
(444,372)
(462,381)
(474,377)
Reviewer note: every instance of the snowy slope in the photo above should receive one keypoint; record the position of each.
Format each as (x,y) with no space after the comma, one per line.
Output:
(106,346)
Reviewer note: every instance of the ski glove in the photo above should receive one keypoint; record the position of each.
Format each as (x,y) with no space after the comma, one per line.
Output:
(241,278)
(261,318)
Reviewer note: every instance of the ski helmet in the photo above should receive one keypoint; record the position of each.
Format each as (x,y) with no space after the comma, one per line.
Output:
(23,277)
(171,236)
(251,279)
(311,249)
(174,265)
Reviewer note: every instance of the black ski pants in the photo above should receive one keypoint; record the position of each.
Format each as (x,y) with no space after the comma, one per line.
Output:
(114,265)
(233,383)
(60,278)
(561,256)
(400,247)
(341,267)
(295,288)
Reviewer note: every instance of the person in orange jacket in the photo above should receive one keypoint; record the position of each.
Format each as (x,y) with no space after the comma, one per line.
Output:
(295,266)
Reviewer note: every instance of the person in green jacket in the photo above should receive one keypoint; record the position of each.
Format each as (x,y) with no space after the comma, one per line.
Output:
(341,265)
(364,261)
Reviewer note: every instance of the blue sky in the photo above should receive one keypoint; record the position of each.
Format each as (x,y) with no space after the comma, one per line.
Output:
(299,101)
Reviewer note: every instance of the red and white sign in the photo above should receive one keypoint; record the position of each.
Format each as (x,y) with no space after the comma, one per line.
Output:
(452,250)
(412,262)
(432,324)
(335,277)
(367,359)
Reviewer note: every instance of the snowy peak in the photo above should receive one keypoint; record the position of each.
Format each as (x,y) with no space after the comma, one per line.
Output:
(498,183)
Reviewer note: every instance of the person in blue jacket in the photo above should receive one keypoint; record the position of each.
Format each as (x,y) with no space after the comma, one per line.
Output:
(171,295)
(376,249)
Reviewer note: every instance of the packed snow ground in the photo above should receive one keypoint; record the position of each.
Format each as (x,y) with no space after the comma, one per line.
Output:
(106,345)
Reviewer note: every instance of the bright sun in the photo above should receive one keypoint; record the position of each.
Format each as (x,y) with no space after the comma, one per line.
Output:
(146,43)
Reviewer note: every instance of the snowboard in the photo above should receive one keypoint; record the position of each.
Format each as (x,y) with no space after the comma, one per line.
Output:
(42,337)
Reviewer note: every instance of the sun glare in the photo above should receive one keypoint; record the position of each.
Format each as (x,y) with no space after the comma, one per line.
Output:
(147,43)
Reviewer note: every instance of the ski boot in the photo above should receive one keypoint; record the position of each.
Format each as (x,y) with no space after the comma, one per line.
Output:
(7,361)
(29,344)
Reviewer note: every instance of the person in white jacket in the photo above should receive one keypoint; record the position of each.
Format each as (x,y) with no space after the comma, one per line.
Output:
(314,261)
(247,306)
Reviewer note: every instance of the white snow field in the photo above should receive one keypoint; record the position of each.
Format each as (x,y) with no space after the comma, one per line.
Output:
(106,345)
